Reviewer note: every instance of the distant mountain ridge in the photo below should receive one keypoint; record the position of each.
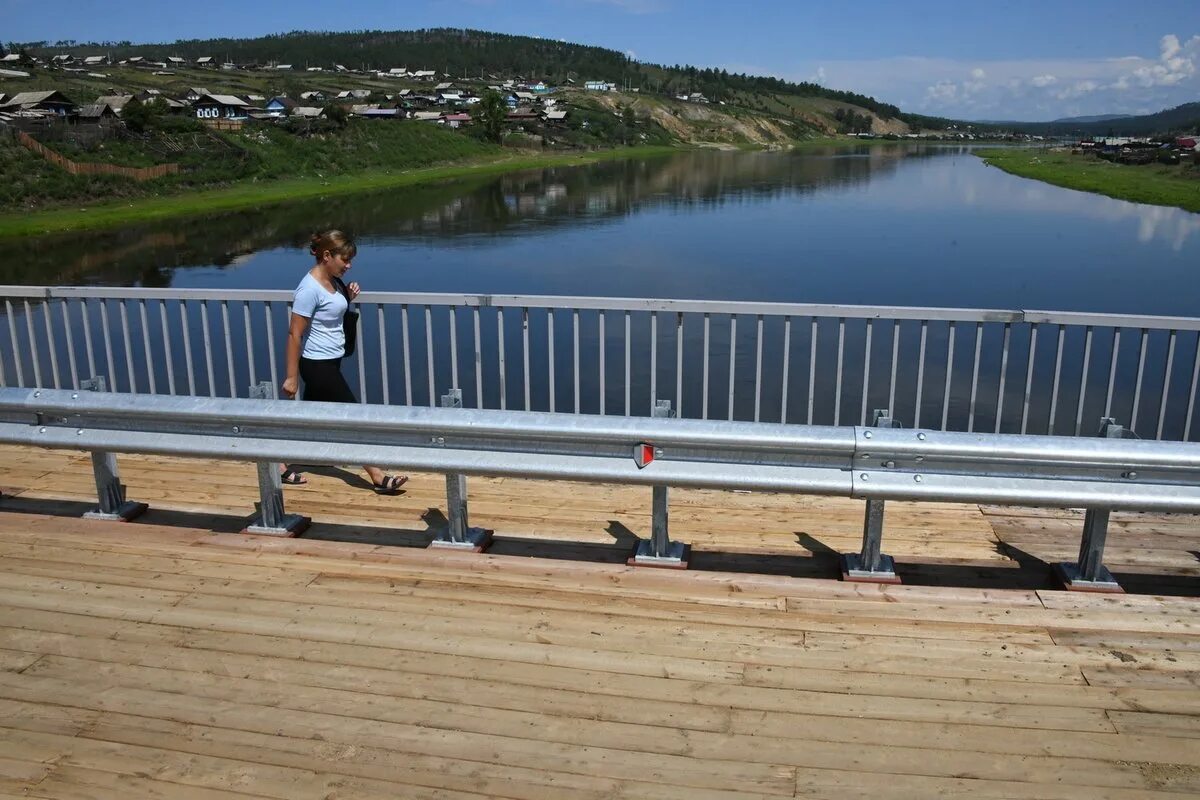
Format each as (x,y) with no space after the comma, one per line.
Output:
(1094,118)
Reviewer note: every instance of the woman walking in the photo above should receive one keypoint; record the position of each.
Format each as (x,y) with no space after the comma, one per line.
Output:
(318,309)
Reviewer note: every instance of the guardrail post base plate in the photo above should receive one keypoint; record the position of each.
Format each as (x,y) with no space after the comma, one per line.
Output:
(123,513)
(290,525)
(853,572)
(474,540)
(1104,583)
(674,557)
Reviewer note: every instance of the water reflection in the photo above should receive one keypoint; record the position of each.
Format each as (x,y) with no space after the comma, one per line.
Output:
(894,225)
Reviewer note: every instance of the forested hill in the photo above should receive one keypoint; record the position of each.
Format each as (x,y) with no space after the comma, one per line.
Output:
(463,53)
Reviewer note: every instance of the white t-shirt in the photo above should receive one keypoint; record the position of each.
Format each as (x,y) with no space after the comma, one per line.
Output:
(324,310)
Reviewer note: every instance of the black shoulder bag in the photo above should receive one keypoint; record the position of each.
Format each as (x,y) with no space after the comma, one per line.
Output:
(350,320)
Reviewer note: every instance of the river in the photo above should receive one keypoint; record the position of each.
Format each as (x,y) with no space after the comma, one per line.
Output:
(893,225)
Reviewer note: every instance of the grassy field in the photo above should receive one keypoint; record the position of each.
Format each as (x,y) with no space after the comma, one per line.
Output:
(1155,184)
(263,193)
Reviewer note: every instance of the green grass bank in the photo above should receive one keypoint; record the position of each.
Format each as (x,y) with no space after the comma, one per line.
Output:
(1155,184)
(253,192)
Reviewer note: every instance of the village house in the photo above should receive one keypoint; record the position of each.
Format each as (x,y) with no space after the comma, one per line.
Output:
(205,61)
(314,95)
(195,93)
(280,106)
(596,86)
(11,58)
(220,106)
(116,102)
(308,112)
(54,102)
(97,114)
(62,60)
(95,61)
(456,120)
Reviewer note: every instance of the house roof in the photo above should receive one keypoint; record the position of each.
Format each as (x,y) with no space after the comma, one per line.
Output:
(442,86)
(35,98)
(94,60)
(306,111)
(224,99)
(286,102)
(556,114)
(199,91)
(204,60)
(114,101)
(95,111)
(11,58)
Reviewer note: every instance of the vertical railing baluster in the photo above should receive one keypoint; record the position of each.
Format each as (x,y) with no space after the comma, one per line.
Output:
(758,348)
(87,337)
(168,352)
(550,352)
(406,348)
(1166,389)
(145,318)
(272,360)
(1032,356)
(128,345)
(1137,382)
(920,373)
(501,366)
(1058,355)
(478,357)
(732,359)
(1087,359)
(787,353)
(33,348)
(108,351)
(1191,408)
(1112,374)
(225,330)
(866,384)
(206,333)
(383,354)
(628,362)
(361,357)
(1003,375)
(704,379)
(575,355)
(248,329)
(837,392)
(66,317)
(949,376)
(525,354)
(187,347)
(600,330)
(433,400)
(51,343)
(16,350)
(975,376)
(679,363)
(454,349)
(812,369)
(653,360)
(895,362)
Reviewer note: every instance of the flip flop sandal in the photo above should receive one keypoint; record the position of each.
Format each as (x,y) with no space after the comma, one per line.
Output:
(292,478)
(390,484)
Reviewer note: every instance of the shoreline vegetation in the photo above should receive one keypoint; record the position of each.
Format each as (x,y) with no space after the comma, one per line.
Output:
(1153,184)
(254,194)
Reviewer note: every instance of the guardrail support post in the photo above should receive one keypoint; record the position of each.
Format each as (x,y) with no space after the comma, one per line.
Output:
(659,550)
(1090,574)
(871,565)
(271,519)
(458,534)
(109,489)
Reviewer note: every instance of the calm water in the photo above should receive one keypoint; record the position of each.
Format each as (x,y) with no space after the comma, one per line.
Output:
(888,225)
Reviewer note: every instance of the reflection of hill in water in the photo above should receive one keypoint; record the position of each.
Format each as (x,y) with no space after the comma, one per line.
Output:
(522,204)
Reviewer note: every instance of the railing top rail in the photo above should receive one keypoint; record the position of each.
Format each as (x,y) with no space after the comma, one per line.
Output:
(635,304)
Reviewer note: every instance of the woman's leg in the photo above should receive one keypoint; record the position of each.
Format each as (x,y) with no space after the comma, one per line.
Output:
(324,382)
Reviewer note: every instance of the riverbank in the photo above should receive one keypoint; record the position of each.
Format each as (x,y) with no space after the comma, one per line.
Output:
(1154,184)
(258,194)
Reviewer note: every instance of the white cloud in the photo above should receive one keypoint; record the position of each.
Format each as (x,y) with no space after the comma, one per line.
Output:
(1168,75)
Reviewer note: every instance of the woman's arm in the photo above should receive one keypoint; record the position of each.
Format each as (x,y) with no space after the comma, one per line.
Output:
(296,329)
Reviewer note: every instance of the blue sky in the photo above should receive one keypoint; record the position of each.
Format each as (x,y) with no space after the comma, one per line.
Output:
(1016,60)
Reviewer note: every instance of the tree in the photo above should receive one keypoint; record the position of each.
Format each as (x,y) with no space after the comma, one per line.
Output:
(139,116)
(491,115)
(337,114)
(628,123)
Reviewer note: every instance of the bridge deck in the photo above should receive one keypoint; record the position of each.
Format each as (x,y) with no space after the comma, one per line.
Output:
(173,658)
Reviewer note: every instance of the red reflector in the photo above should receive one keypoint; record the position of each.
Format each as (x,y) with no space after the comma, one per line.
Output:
(643,454)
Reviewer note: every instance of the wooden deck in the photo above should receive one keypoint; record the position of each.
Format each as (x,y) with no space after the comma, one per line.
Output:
(172,657)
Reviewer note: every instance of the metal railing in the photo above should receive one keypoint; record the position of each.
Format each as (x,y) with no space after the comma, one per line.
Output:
(1009,371)
(875,464)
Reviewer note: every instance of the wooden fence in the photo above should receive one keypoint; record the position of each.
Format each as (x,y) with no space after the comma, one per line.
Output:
(76,168)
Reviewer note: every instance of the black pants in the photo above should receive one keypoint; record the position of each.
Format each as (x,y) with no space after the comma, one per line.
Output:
(323,381)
